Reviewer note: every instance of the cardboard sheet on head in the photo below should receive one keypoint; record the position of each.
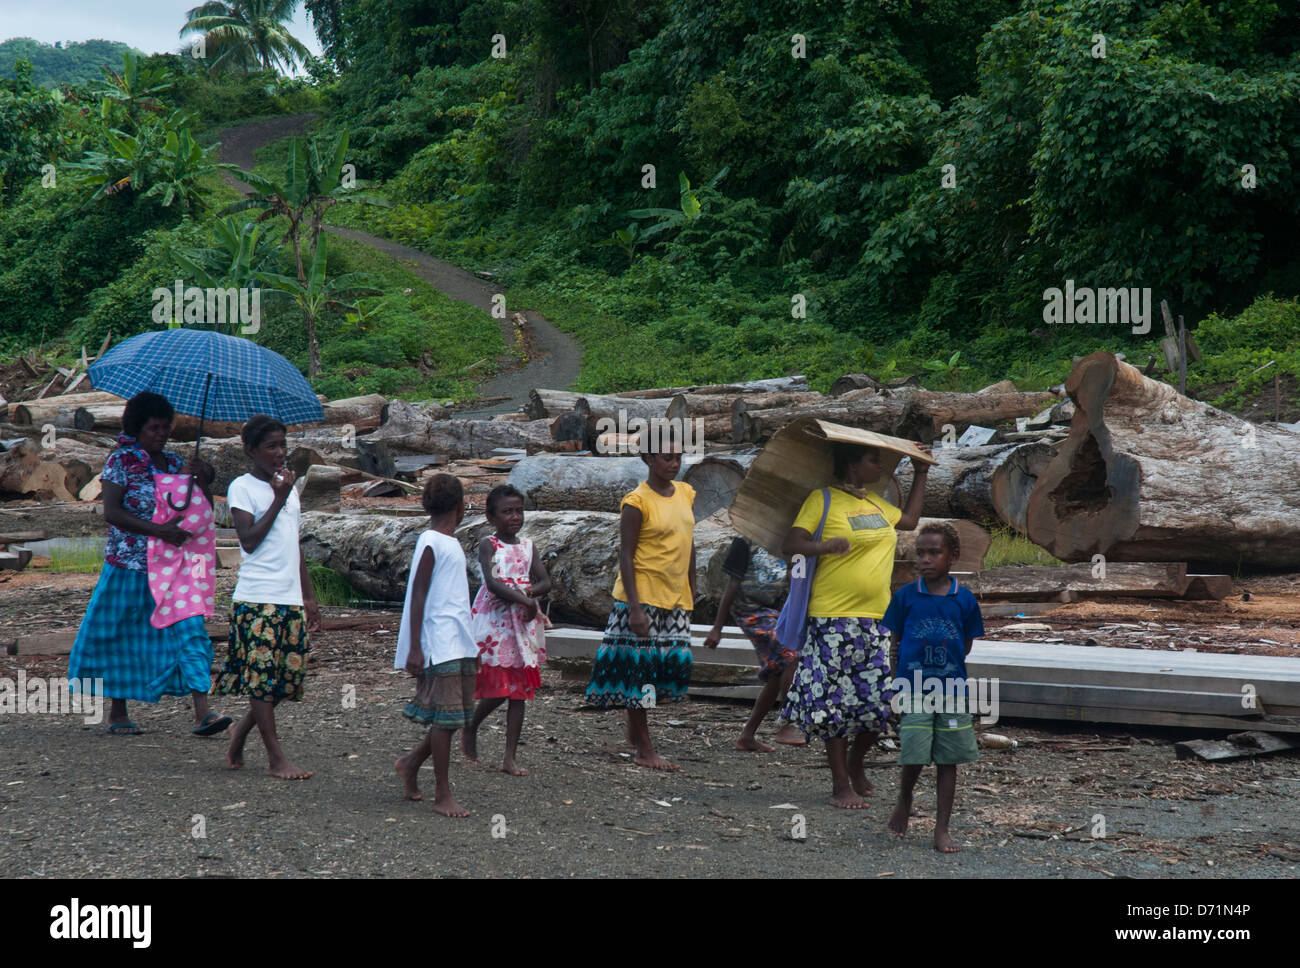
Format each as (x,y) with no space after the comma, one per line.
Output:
(796,461)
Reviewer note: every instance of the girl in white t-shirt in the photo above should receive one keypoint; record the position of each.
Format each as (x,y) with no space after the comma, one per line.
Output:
(435,643)
(273,607)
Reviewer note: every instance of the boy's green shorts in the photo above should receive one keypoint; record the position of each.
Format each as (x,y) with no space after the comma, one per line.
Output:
(940,738)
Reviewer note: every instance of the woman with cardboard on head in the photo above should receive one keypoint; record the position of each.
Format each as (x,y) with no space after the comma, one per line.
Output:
(841,542)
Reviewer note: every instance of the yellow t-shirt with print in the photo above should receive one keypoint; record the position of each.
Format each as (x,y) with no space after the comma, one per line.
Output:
(856,583)
(662,560)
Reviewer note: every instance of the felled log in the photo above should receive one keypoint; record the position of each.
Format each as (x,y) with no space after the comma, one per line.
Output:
(320,489)
(780,384)
(1122,579)
(64,520)
(580,551)
(549,404)
(960,485)
(411,431)
(363,413)
(41,411)
(1002,386)
(553,482)
(710,404)
(854,381)
(908,412)
(1147,474)
(58,473)
(716,478)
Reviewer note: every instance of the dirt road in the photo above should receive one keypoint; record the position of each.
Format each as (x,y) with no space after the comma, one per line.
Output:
(554,357)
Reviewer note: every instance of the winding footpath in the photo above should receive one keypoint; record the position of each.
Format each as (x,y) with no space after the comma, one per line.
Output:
(555,357)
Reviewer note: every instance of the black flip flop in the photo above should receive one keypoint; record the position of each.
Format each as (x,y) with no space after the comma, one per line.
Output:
(212,724)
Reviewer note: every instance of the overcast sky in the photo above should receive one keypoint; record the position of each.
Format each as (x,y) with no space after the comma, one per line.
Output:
(152,26)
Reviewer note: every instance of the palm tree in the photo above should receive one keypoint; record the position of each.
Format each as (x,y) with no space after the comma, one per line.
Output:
(247,34)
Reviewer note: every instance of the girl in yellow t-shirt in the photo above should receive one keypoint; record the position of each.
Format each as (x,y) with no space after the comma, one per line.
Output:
(838,690)
(645,657)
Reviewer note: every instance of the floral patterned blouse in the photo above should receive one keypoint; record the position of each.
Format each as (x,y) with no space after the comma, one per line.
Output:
(131,469)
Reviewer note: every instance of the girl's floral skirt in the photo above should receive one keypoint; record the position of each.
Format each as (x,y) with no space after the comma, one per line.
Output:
(642,673)
(266,654)
(839,685)
(759,626)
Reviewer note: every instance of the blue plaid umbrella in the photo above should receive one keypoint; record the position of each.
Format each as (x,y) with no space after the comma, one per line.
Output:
(208,375)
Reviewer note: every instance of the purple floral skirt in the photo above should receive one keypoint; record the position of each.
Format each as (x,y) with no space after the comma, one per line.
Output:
(839,687)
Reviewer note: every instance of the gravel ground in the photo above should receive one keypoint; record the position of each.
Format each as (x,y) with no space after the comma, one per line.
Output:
(77,803)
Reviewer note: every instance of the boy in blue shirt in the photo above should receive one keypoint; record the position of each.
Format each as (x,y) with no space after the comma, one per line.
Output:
(933,622)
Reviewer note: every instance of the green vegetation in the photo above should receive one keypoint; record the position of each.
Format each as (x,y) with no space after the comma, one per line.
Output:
(245,35)
(331,587)
(828,176)
(76,62)
(698,191)
(1011,548)
(84,561)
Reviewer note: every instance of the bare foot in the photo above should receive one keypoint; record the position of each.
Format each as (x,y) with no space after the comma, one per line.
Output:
(410,788)
(789,736)
(861,785)
(448,807)
(235,752)
(513,768)
(898,819)
(753,745)
(469,745)
(287,771)
(944,843)
(653,761)
(848,801)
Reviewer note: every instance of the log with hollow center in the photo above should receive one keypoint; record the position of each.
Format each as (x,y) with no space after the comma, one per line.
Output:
(1150,475)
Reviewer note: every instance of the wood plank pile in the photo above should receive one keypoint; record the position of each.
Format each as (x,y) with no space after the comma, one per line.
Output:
(1037,681)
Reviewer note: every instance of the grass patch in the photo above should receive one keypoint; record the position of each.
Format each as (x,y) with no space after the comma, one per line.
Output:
(85,561)
(1013,548)
(331,587)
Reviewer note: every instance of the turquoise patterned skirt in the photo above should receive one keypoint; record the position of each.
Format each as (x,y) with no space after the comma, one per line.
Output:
(138,662)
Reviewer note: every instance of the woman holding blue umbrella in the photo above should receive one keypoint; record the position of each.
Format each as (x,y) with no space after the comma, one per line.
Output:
(206,374)
(117,641)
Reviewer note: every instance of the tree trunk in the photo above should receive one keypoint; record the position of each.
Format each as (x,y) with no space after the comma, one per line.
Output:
(320,489)
(544,404)
(719,404)
(781,384)
(553,482)
(961,484)
(408,431)
(716,479)
(37,412)
(906,412)
(1150,475)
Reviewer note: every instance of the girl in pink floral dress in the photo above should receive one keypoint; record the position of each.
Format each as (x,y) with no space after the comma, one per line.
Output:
(507,623)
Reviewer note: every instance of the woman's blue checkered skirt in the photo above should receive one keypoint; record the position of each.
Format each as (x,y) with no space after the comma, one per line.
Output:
(116,643)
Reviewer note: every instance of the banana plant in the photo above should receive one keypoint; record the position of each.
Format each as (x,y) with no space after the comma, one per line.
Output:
(134,89)
(317,293)
(627,239)
(241,251)
(311,185)
(675,218)
(161,159)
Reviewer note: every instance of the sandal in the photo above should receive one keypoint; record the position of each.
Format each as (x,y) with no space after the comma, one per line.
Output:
(212,724)
(125,729)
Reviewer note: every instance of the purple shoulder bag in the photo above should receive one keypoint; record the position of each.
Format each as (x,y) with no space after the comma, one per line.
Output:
(790,624)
